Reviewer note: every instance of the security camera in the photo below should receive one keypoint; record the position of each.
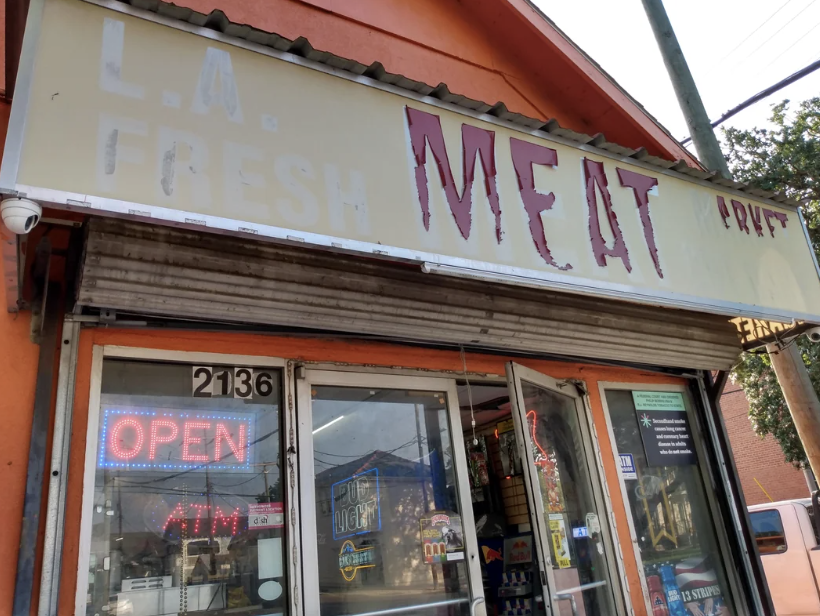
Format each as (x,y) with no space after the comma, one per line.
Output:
(813,334)
(20,215)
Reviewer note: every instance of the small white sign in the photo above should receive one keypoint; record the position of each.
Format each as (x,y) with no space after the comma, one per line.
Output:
(628,466)
(593,524)
(266,515)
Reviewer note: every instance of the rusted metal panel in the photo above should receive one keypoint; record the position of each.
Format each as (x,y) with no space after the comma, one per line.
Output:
(9,257)
(144,269)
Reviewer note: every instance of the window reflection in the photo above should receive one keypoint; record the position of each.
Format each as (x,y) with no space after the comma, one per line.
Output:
(188,508)
(388,524)
(676,536)
(572,522)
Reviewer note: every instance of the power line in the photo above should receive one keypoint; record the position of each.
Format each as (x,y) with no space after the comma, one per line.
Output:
(753,32)
(812,29)
(763,94)
(776,32)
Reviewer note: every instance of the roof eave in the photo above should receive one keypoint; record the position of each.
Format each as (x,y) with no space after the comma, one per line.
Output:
(547,28)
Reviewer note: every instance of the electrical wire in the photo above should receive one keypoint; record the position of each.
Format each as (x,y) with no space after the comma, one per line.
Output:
(803,72)
(201,466)
(776,32)
(753,32)
(469,395)
(782,53)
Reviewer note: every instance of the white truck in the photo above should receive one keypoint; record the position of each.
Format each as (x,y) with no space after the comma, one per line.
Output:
(788,539)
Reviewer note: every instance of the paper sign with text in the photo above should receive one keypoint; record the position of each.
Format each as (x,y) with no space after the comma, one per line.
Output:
(266,515)
(665,430)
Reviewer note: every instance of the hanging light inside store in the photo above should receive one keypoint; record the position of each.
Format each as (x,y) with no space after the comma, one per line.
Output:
(330,423)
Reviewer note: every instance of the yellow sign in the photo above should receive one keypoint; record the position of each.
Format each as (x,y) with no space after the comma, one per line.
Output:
(755,333)
(146,120)
(505,426)
(560,541)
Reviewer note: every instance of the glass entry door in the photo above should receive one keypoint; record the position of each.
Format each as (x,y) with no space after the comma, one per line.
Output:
(564,491)
(387,523)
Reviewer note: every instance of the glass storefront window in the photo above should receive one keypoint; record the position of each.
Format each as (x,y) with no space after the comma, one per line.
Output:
(580,573)
(388,524)
(188,505)
(677,539)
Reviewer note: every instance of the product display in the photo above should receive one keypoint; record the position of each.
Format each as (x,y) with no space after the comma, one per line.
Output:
(477,458)
(656,596)
(687,588)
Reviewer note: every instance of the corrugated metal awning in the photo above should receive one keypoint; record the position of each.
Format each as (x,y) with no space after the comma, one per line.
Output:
(154,270)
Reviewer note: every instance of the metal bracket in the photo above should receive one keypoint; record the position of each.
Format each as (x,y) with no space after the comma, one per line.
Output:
(108,316)
(580,386)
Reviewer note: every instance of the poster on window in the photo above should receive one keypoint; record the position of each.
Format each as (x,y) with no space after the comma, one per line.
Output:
(688,588)
(442,538)
(664,425)
(266,515)
(560,542)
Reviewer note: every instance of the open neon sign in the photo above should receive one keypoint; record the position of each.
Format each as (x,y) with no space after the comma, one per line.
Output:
(142,440)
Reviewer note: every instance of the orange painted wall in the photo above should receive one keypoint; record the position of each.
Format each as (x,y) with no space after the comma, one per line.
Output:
(18,372)
(328,350)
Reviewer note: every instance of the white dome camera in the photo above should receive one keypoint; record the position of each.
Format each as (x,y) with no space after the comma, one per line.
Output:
(813,334)
(20,215)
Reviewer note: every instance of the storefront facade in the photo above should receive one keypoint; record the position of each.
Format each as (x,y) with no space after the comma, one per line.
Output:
(307,366)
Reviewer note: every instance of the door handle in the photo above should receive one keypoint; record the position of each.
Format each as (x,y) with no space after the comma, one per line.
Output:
(567,597)
(474,604)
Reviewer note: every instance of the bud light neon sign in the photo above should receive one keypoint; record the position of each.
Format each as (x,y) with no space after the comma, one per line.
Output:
(193,440)
(355,503)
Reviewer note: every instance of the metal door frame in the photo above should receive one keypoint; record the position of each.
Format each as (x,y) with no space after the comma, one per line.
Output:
(102,352)
(306,378)
(704,472)
(516,373)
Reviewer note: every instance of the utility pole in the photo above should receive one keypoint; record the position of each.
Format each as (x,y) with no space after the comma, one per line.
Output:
(787,361)
(687,92)
(786,358)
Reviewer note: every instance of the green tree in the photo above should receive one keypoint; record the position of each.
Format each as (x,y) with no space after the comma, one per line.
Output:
(784,159)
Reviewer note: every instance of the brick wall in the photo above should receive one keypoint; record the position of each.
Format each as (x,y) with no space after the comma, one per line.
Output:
(758,460)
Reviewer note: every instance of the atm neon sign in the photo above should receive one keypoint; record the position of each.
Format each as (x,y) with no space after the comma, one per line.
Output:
(143,440)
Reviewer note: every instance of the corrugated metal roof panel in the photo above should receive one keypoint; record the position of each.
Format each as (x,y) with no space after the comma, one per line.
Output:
(217,20)
(617,149)
(657,161)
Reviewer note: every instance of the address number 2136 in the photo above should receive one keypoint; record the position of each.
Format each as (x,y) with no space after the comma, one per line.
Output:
(223,381)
